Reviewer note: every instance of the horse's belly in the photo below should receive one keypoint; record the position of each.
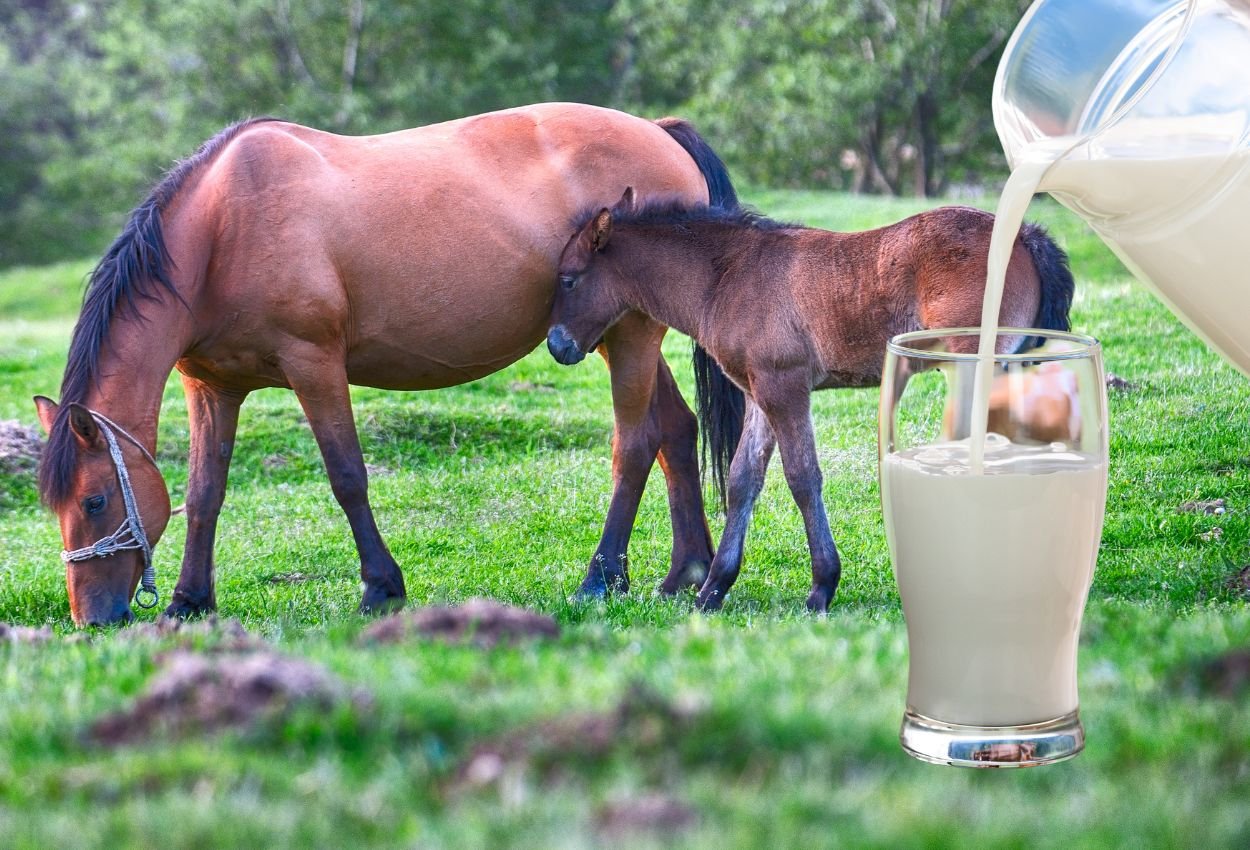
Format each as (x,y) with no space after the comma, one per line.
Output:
(404,358)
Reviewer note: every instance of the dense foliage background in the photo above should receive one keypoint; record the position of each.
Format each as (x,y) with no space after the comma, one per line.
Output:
(98,97)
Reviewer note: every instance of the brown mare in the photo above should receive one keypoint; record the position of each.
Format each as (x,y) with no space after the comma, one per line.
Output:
(785,310)
(280,255)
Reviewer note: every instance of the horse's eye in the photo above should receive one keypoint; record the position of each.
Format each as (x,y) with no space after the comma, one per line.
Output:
(568,281)
(93,504)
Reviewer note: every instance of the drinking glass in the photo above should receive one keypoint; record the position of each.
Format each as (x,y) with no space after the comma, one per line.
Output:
(994,567)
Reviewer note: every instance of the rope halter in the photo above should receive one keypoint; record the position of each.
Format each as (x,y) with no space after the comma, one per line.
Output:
(130,534)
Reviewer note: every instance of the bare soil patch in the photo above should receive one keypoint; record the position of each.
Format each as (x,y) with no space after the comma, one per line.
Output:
(20,448)
(1213,507)
(643,722)
(479,621)
(197,693)
(1240,581)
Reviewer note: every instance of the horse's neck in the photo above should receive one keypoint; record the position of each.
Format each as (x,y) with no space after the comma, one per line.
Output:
(134,364)
(670,279)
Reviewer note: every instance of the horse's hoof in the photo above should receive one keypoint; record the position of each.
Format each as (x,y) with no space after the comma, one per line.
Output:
(183,608)
(377,602)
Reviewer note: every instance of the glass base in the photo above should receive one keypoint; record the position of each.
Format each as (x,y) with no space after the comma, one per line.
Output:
(992,746)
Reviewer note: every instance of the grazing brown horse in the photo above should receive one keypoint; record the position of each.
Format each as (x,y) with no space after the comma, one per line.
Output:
(786,310)
(282,256)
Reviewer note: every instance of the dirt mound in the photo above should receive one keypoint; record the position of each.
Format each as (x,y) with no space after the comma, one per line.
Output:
(643,722)
(480,621)
(652,813)
(195,693)
(1226,675)
(24,634)
(20,448)
(222,634)
(1118,384)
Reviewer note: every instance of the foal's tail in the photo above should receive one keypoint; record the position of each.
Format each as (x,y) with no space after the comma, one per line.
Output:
(1056,278)
(721,405)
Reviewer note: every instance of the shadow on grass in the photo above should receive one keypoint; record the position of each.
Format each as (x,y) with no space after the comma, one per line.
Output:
(428,438)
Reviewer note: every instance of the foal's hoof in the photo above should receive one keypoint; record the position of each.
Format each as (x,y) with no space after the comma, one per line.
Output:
(818,600)
(600,582)
(691,576)
(379,601)
(709,601)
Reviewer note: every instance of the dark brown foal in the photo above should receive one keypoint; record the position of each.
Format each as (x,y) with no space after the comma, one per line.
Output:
(786,310)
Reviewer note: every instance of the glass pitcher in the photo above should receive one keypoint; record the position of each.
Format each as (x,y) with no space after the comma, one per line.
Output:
(1142,109)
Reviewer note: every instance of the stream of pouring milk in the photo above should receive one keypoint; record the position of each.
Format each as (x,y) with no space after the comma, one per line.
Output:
(1012,204)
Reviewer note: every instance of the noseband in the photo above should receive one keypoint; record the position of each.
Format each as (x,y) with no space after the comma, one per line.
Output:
(130,534)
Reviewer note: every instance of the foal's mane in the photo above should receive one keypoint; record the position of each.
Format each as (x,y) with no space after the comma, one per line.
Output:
(677,214)
(133,269)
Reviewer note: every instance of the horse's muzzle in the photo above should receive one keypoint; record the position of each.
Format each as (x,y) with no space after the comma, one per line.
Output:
(562,346)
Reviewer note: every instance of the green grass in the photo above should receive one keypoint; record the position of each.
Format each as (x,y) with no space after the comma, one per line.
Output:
(499,488)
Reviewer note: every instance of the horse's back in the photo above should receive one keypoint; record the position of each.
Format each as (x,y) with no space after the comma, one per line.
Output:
(431,252)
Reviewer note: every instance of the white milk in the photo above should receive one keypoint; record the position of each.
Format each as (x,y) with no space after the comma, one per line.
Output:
(1181,228)
(993,570)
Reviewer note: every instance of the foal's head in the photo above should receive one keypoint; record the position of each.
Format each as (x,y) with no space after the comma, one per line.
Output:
(588,300)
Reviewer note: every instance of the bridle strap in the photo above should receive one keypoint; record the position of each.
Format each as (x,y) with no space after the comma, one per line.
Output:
(130,534)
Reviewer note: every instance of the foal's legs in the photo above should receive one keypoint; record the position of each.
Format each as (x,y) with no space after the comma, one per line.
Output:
(787,403)
(319,379)
(746,479)
(651,418)
(214,418)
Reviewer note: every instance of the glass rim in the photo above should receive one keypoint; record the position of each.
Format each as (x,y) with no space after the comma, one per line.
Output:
(1084,345)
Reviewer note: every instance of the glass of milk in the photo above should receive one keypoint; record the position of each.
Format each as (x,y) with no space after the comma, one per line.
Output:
(994,567)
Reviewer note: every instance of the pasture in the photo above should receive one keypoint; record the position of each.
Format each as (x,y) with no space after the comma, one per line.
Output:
(759,726)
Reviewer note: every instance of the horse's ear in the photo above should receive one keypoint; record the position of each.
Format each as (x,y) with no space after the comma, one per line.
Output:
(82,423)
(601,229)
(626,203)
(47,409)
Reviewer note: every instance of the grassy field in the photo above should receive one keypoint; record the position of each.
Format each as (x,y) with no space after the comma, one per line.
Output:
(773,728)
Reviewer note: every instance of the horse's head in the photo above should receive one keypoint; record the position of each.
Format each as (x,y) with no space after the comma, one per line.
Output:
(588,300)
(89,469)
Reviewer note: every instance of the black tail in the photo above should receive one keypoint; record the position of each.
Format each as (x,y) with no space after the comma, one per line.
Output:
(721,405)
(1057,285)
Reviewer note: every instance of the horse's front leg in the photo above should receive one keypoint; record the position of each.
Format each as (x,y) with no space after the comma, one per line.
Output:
(319,379)
(746,479)
(787,403)
(679,458)
(213,414)
(631,348)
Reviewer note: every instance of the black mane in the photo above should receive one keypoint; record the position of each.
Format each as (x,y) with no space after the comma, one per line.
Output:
(132,269)
(678,214)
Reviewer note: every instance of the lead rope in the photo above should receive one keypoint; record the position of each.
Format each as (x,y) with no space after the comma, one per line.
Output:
(130,534)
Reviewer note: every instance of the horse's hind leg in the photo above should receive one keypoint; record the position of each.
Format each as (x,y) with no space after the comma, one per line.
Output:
(787,404)
(214,418)
(746,479)
(320,382)
(679,458)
